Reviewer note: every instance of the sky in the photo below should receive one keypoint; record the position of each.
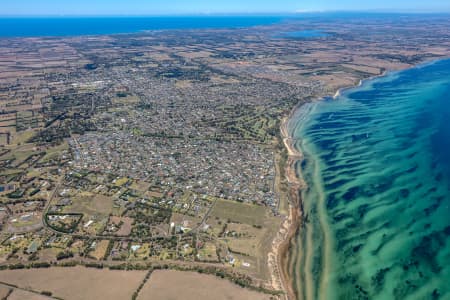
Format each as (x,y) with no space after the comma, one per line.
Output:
(164,7)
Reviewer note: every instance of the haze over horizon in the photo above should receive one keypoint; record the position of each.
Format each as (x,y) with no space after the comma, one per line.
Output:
(180,7)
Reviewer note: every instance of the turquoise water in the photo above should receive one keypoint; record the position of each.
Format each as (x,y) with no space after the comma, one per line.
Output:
(377,165)
(72,26)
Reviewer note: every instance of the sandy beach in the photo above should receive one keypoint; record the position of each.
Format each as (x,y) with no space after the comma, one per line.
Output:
(279,256)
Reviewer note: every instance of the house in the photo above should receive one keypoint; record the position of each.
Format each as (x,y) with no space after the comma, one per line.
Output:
(135,248)
(32,248)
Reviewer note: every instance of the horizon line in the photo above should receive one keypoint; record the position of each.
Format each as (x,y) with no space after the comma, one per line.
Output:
(225,14)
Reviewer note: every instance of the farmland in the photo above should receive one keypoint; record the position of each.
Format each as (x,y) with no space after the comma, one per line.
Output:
(193,286)
(77,283)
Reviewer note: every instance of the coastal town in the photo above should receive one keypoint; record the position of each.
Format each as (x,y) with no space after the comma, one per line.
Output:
(163,149)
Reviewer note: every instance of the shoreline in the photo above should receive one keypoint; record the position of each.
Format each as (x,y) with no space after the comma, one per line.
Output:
(360,83)
(291,225)
(279,256)
(384,74)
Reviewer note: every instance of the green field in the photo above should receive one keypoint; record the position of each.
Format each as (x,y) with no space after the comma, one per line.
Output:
(240,212)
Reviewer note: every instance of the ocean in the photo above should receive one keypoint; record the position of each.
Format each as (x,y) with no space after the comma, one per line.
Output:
(73,26)
(377,206)
(90,25)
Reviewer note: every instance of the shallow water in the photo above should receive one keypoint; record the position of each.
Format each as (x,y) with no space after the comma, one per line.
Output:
(377,164)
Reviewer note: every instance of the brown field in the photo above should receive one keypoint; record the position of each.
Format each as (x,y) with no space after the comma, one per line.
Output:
(366,69)
(91,204)
(22,295)
(125,228)
(4,291)
(100,250)
(173,285)
(77,283)
(155,194)
(194,54)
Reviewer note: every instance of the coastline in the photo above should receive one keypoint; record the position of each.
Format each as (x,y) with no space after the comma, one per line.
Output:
(385,73)
(292,223)
(279,256)
(281,278)
(360,83)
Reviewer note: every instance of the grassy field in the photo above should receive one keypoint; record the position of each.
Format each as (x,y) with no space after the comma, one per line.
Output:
(208,252)
(90,204)
(141,253)
(127,100)
(170,284)
(20,154)
(77,283)
(281,187)
(240,212)
(251,232)
(54,152)
(22,137)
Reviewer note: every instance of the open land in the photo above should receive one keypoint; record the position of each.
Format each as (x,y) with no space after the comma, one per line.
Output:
(77,282)
(170,284)
(164,148)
